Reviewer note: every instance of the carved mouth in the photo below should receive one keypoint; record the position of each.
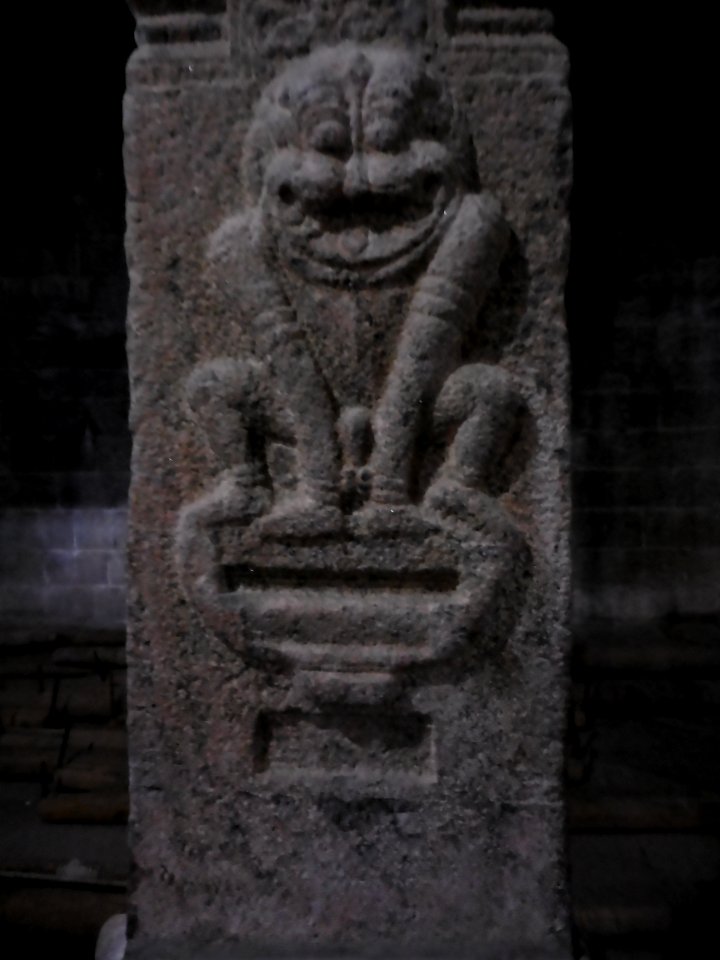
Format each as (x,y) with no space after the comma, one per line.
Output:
(377,212)
(372,235)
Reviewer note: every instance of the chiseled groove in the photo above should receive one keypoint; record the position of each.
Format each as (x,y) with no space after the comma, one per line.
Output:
(439,580)
(180,28)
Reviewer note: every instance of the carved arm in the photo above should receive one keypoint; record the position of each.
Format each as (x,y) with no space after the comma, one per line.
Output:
(445,304)
(279,344)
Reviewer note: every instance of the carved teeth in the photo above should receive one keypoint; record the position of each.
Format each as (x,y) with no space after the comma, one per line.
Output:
(311,228)
(353,242)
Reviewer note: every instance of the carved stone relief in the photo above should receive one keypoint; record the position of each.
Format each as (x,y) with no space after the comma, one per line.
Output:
(348,528)
(355,526)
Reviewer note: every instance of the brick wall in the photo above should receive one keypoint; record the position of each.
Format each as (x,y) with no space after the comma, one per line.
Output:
(647,451)
(64,440)
(63,567)
(644,311)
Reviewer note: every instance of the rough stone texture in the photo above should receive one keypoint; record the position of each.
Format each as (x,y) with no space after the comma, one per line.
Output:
(348,521)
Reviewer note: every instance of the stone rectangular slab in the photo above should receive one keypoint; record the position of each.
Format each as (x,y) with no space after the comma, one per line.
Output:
(348,548)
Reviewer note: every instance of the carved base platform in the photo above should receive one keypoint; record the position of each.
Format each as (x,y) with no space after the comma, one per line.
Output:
(353,603)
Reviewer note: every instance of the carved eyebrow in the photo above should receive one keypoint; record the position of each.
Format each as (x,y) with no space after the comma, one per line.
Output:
(393,102)
(391,90)
(388,102)
(319,94)
(386,110)
(319,112)
(320,107)
(386,118)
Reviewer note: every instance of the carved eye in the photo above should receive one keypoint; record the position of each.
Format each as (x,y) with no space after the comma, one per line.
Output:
(286,193)
(431,183)
(330,137)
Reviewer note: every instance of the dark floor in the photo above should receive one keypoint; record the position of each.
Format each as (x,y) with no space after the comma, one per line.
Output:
(63,790)
(643,788)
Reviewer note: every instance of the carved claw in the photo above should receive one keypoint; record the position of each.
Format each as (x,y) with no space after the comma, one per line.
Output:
(238,498)
(376,520)
(300,518)
(234,500)
(448,502)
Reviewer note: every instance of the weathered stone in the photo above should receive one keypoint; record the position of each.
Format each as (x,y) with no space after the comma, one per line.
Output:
(348,556)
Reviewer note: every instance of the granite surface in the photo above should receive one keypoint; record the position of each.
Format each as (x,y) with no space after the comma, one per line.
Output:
(347,244)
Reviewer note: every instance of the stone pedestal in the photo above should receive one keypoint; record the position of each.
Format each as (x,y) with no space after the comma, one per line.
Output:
(347,245)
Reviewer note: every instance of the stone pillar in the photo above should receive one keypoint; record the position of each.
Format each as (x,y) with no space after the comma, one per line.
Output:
(347,243)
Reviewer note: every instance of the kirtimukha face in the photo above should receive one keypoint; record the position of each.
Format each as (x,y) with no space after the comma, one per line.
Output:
(360,168)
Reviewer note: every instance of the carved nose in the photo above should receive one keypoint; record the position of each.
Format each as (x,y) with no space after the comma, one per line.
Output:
(356,180)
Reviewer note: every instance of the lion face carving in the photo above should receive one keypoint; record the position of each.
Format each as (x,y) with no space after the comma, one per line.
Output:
(357,172)
(355,163)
